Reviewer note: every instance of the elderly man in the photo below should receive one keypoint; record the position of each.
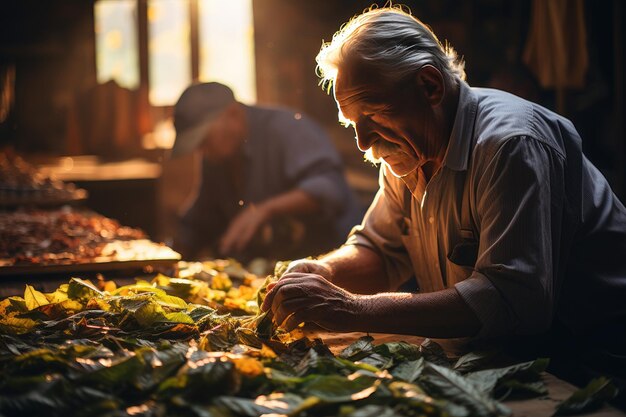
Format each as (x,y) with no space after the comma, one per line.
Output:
(272,184)
(485,199)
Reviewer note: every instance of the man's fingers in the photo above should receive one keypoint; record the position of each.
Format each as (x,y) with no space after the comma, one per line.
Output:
(292,322)
(269,297)
(288,307)
(292,285)
(298,266)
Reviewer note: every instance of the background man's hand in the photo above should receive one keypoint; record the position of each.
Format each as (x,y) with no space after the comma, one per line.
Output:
(308,297)
(242,228)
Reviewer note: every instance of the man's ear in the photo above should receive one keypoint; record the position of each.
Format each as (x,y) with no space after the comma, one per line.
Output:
(431,83)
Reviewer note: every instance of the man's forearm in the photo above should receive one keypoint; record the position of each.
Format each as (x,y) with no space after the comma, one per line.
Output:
(291,202)
(437,314)
(440,314)
(357,269)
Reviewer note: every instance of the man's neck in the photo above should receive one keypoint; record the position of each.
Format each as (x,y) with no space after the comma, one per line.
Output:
(448,114)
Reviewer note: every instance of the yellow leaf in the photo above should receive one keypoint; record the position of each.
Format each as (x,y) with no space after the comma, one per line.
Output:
(34,298)
(71,305)
(16,325)
(249,367)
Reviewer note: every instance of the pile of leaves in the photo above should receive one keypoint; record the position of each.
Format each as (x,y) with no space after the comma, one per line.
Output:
(160,348)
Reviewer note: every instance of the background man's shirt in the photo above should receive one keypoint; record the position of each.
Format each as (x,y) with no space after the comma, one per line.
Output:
(285,150)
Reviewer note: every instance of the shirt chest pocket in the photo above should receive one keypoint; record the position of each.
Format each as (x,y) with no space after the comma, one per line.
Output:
(462,258)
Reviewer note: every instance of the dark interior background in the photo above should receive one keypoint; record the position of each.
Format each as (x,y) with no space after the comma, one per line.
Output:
(51,45)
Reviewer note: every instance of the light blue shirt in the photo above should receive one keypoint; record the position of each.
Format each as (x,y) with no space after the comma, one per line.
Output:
(516,219)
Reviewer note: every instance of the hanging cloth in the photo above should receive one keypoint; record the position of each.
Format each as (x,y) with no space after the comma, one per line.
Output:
(556,47)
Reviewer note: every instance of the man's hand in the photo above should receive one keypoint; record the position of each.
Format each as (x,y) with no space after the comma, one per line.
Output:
(312,267)
(242,228)
(308,297)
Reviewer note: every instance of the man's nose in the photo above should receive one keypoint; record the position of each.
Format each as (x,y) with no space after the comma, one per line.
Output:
(365,137)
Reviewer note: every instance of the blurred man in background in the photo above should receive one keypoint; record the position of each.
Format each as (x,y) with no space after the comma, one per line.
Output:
(271,184)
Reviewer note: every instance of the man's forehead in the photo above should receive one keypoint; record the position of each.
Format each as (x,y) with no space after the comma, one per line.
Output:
(350,87)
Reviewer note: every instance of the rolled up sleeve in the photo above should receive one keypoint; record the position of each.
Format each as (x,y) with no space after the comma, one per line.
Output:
(518,209)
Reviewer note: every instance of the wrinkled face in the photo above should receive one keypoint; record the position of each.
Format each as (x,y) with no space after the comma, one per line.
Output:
(389,126)
(225,135)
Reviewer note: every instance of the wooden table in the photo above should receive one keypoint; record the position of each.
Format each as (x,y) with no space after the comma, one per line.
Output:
(558,390)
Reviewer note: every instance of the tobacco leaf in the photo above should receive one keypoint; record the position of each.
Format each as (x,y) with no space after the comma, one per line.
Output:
(276,404)
(475,360)
(53,395)
(519,377)
(79,289)
(588,398)
(434,353)
(452,386)
(399,351)
(34,298)
(337,389)
(359,349)
(408,371)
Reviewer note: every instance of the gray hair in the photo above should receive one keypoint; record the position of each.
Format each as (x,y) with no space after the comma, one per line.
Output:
(392,44)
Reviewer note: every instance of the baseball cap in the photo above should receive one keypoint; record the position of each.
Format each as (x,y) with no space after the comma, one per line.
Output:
(196,108)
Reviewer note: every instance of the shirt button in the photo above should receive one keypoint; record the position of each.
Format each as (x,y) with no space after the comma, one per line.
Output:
(431,220)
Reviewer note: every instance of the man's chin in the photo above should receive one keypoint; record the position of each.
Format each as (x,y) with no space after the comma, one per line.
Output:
(400,170)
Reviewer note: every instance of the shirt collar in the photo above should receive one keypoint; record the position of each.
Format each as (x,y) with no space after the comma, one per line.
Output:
(457,154)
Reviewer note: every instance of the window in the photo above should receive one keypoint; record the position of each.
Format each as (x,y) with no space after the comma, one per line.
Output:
(116,42)
(224,42)
(227,45)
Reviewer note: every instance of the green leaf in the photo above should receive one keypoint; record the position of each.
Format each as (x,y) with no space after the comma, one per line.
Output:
(378,361)
(434,353)
(53,395)
(17,304)
(171,302)
(199,313)
(451,385)
(34,298)
(130,304)
(409,371)
(119,373)
(589,398)
(374,410)
(359,349)
(488,379)
(275,404)
(78,289)
(178,317)
(473,361)
(141,287)
(161,364)
(399,351)
(202,378)
(338,389)
(314,363)
(521,389)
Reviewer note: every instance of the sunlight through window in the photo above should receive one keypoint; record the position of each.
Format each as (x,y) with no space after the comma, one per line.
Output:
(227,45)
(169,50)
(116,42)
